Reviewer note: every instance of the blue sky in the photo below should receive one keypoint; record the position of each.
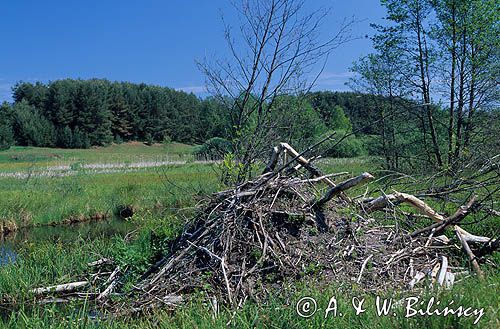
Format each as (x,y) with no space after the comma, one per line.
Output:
(150,41)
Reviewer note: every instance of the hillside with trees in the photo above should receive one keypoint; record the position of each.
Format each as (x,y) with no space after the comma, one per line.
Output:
(83,113)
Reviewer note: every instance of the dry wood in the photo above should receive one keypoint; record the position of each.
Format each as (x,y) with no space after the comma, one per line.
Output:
(109,289)
(336,190)
(363,266)
(460,214)
(245,242)
(418,277)
(273,160)
(110,284)
(99,262)
(67,287)
(55,300)
(412,200)
(472,257)
(299,158)
(443,270)
(113,275)
(471,237)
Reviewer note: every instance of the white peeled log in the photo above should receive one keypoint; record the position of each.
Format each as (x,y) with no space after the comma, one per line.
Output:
(416,279)
(67,287)
(442,239)
(112,281)
(341,187)
(468,251)
(99,262)
(471,237)
(412,200)
(442,271)
(449,280)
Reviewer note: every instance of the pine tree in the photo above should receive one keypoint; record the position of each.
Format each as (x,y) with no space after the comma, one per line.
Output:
(6,135)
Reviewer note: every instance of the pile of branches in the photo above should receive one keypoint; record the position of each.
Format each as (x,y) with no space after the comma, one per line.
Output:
(294,222)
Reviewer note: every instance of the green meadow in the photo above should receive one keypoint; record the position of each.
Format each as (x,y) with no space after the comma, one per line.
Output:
(49,186)
(22,158)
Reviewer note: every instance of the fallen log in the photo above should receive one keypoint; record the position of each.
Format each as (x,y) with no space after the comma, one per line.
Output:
(108,290)
(300,159)
(382,201)
(469,237)
(470,254)
(67,287)
(418,277)
(441,224)
(442,271)
(336,190)
(112,281)
(273,160)
(438,227)
(302,162)
(99,262)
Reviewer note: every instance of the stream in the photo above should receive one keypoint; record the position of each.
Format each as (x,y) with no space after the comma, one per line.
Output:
(12,243)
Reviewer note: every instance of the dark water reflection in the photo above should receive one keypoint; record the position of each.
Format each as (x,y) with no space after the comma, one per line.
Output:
(7,255)
(10,244)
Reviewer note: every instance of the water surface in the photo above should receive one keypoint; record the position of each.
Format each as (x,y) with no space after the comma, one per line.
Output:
(91,230)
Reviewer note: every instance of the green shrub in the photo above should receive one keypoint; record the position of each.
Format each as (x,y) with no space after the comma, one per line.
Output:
(214,148)
(349,147)
(167,140)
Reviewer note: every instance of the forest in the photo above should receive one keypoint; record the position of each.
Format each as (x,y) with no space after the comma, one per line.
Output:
(83,113)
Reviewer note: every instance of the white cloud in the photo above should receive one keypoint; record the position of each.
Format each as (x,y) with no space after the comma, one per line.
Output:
(193,89)
(5,91)
(334,78)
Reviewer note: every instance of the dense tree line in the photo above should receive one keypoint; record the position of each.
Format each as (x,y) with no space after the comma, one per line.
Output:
(81,113)
(6,135)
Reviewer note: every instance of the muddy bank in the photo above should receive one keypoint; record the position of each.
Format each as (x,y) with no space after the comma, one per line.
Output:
(9,226)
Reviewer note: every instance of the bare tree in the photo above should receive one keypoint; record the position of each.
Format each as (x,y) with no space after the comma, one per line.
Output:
(274,51)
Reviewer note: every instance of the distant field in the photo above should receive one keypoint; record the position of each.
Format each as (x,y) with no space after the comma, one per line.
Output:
(19,158)
(49,185)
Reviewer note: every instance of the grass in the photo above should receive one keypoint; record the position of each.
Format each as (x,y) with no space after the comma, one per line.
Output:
(280,312)
(40,264)
(43,200)
(19,158)
(155,193)
(35,199)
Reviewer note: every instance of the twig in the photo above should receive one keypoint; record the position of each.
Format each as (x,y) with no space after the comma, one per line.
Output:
(363,266)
